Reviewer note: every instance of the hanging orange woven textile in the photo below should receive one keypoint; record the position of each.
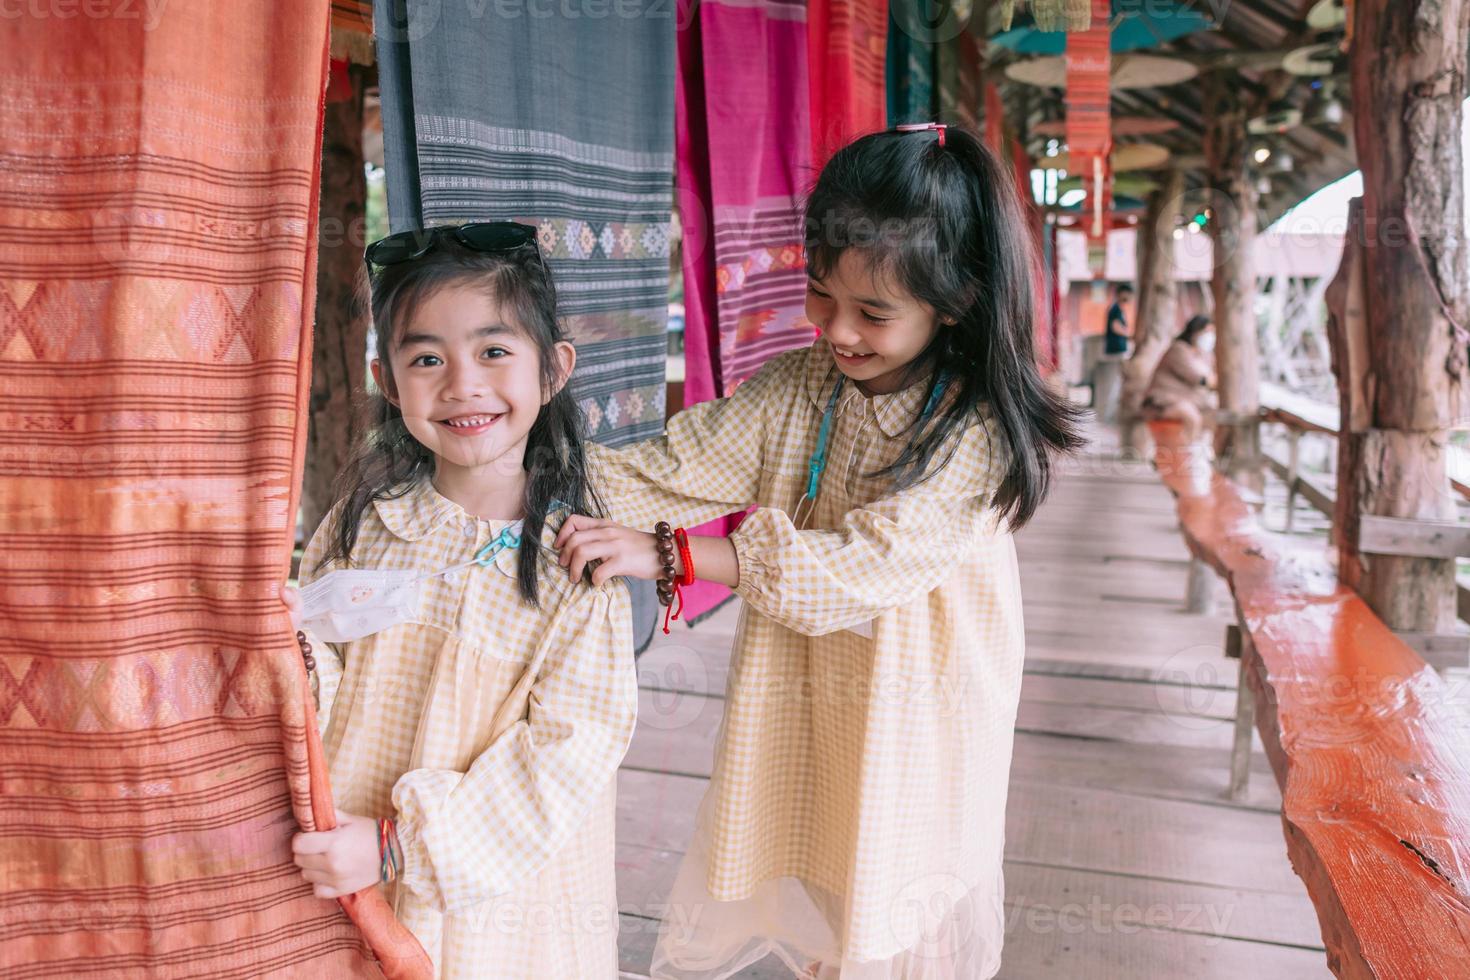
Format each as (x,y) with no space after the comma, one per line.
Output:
(846,45)
(158,194)
(1089,124)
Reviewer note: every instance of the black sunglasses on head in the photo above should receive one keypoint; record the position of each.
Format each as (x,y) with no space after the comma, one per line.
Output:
(477,236)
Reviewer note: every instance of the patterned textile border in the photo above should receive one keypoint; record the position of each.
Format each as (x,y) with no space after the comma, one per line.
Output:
(158,188)
(352,30)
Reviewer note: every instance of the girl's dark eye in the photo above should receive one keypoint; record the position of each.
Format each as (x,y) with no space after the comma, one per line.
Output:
(875,319)
(812,288)
(419,361)
(496,352)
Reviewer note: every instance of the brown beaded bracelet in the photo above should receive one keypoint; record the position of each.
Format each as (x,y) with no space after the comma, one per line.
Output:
(306,656)
(664,539)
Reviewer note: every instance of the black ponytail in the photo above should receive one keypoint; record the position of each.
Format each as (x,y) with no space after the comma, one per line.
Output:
(947,223)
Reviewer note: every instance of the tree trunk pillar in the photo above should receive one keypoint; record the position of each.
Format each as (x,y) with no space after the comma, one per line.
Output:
(1407,66)
(1155,319)
(1233,225)
(338,366)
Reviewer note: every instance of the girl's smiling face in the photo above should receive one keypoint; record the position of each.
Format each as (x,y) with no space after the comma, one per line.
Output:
(468,379)
(875,327)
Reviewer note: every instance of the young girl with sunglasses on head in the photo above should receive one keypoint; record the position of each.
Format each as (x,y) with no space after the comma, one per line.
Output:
(477,703)
(854,823)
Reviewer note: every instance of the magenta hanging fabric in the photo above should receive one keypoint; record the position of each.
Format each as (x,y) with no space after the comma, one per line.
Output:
(745,156)
(744,165)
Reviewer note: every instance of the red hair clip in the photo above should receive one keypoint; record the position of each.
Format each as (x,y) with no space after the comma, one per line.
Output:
(938,128)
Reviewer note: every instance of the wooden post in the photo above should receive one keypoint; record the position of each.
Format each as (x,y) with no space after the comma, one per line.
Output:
(1233,232)
(1407,64)
(1293,470)
(1155,320)
(1347,338)
(338,359)
(1200,589)
(1245,714)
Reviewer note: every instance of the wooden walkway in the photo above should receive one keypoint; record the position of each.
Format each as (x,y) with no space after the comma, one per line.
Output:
(1124,858)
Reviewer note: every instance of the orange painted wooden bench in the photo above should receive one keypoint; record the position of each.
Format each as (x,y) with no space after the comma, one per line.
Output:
(1365,739)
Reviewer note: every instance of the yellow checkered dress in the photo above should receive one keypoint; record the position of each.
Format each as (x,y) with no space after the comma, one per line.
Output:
(856,812)
(492,731)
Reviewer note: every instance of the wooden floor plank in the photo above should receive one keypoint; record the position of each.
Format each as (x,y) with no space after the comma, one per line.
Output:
(1099,830)
(1164,772)
(656,810)
(1100,901)
(1204,697)
(1177,767)
(1127,953)
(1138,728)
(1190,701)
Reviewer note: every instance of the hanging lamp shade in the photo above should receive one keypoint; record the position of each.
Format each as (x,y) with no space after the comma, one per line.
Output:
(1129,157)
(1127,185)
(1327,15)
(1121,203)
(1129,71)
(1279,117)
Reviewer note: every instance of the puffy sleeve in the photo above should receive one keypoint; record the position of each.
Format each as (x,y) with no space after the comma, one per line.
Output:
(706,464)
(468,836)
(893,551)
(328,656)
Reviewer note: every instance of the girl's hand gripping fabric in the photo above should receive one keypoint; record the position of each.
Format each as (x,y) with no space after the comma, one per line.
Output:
(625,551)
(342,860)
(613,549)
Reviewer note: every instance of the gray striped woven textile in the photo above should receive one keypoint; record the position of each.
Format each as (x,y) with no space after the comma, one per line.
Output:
(561,115)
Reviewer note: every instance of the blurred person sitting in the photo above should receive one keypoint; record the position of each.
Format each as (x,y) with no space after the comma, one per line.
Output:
(1182,388)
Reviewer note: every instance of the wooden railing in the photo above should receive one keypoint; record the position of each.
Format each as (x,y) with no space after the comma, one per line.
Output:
(1299,415)
(1302,415)
(1365,739)
(1377,535)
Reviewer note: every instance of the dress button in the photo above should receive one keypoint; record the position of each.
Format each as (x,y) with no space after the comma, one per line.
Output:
(470,529)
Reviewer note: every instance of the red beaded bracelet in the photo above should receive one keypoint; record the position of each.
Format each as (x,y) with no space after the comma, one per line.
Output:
(681,538)
(671,588)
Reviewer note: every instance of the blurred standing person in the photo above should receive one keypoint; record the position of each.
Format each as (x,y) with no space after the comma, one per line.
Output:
(1117,331)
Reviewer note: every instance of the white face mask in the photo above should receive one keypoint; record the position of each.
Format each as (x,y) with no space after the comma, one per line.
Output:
(350,603)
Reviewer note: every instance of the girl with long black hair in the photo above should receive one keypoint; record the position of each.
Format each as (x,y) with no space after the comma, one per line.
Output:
(854,823)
